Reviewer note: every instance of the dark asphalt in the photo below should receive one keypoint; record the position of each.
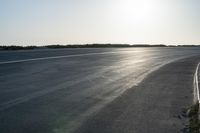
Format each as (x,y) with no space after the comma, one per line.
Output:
(59,95)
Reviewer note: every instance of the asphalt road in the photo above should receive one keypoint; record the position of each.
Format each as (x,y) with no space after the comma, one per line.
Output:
(157,105)
(59,91)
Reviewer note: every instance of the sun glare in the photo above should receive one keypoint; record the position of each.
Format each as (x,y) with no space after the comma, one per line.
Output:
(137,10)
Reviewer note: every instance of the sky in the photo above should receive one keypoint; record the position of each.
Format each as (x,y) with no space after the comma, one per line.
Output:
(45,22)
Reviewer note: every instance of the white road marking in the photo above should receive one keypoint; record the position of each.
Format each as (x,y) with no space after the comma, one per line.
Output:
(66,56)
(54,57)
(196,85)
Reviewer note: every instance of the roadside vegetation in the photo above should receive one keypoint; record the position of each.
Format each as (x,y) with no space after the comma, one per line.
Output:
(13,47)
(194,123)
(17,47)
(57,46)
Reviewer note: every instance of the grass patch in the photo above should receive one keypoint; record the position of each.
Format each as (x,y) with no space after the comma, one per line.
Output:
(193,115)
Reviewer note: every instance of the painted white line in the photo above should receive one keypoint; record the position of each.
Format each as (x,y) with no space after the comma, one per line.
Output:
(196,85)
(54,57)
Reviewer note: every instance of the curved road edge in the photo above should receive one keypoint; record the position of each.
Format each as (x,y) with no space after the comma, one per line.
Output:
(196,85)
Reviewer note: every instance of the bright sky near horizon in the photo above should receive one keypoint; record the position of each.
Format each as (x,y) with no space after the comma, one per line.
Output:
(42,22)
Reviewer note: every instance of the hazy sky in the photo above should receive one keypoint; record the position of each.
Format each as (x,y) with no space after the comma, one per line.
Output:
(41,22)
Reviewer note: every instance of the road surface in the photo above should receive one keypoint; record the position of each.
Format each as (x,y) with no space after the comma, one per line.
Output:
(59,91)
(157,105)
